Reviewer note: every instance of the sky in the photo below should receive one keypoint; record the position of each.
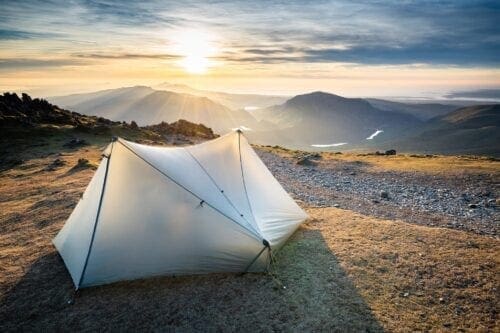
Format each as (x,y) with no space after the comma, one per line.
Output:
(352,48)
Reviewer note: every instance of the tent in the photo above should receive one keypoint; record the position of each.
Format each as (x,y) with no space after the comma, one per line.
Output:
(150,211)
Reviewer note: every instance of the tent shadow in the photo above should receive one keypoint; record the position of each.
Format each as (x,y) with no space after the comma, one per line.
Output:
(310,292)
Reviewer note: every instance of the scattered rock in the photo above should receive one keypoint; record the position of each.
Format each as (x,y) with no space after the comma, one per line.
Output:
(133,125)
(75,142)
(57,163)
(306,161)
(417,198)
(390,152)
(384,194)
(182,127)
(83,163)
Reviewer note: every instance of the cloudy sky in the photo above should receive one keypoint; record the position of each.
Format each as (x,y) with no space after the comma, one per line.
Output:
(355,48)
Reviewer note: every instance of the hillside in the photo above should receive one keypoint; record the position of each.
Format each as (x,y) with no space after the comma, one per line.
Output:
(469,130)
(147,106)
(322,118)
(26,123)
(232,101)
(418,260)
(423,111)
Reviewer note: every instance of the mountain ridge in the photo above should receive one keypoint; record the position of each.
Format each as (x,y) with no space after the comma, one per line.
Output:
(148,106)
(467,130)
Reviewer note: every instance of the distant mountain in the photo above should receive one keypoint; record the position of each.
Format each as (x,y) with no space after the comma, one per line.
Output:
(468,130)
(322,118)
(485,94)
(107,103)
(147,106)
(232,101)
(423,111)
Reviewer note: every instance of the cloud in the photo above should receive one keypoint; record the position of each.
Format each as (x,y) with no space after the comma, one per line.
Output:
(480,93)
(125,56)
(7,34)
(459,33)
(26,63)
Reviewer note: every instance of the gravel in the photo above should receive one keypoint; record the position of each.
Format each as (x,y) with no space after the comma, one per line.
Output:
(465,202)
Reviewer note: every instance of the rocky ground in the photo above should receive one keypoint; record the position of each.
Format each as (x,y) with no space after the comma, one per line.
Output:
(465,201)
(344,270)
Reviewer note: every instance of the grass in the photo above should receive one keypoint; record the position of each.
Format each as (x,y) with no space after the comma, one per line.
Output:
(341,272)
(431,164)
(415,278)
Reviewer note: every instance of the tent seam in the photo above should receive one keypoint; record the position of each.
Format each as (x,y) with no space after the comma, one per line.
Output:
(220,190)
(256,236)
(243,176)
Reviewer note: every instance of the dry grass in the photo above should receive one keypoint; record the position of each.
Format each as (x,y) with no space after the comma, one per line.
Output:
(431,164)
(342,272)
(416,278)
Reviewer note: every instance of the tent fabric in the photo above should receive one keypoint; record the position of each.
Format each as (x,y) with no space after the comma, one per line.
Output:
(152,211)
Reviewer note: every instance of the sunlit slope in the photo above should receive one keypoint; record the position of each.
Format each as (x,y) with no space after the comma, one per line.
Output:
(233,101)
(147,106)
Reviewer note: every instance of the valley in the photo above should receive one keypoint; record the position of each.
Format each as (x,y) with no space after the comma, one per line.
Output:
(308,121)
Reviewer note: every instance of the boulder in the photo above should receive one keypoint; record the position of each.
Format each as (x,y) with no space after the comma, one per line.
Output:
(390,152)
(384,194)
(306,161)
(75,142)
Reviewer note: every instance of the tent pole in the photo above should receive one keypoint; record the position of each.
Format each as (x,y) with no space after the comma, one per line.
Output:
(97,216)
(266,246)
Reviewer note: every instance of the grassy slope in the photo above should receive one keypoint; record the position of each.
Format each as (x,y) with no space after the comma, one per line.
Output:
(469,130)
(342,272)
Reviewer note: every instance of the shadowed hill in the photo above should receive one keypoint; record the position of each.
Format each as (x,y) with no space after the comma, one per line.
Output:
(27,123)
(469,130)
(319,118)
(423,111)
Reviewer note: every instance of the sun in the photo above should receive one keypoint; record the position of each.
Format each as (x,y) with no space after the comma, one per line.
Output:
(195,48)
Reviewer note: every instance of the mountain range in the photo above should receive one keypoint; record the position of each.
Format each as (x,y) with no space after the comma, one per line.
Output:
(322,118)
(468,130)
(232,101)
(314,119)
(147,106)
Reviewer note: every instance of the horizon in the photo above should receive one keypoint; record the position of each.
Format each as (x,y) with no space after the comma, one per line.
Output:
(416,50)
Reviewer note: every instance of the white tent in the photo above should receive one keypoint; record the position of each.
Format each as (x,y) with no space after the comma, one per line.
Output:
(149,211)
